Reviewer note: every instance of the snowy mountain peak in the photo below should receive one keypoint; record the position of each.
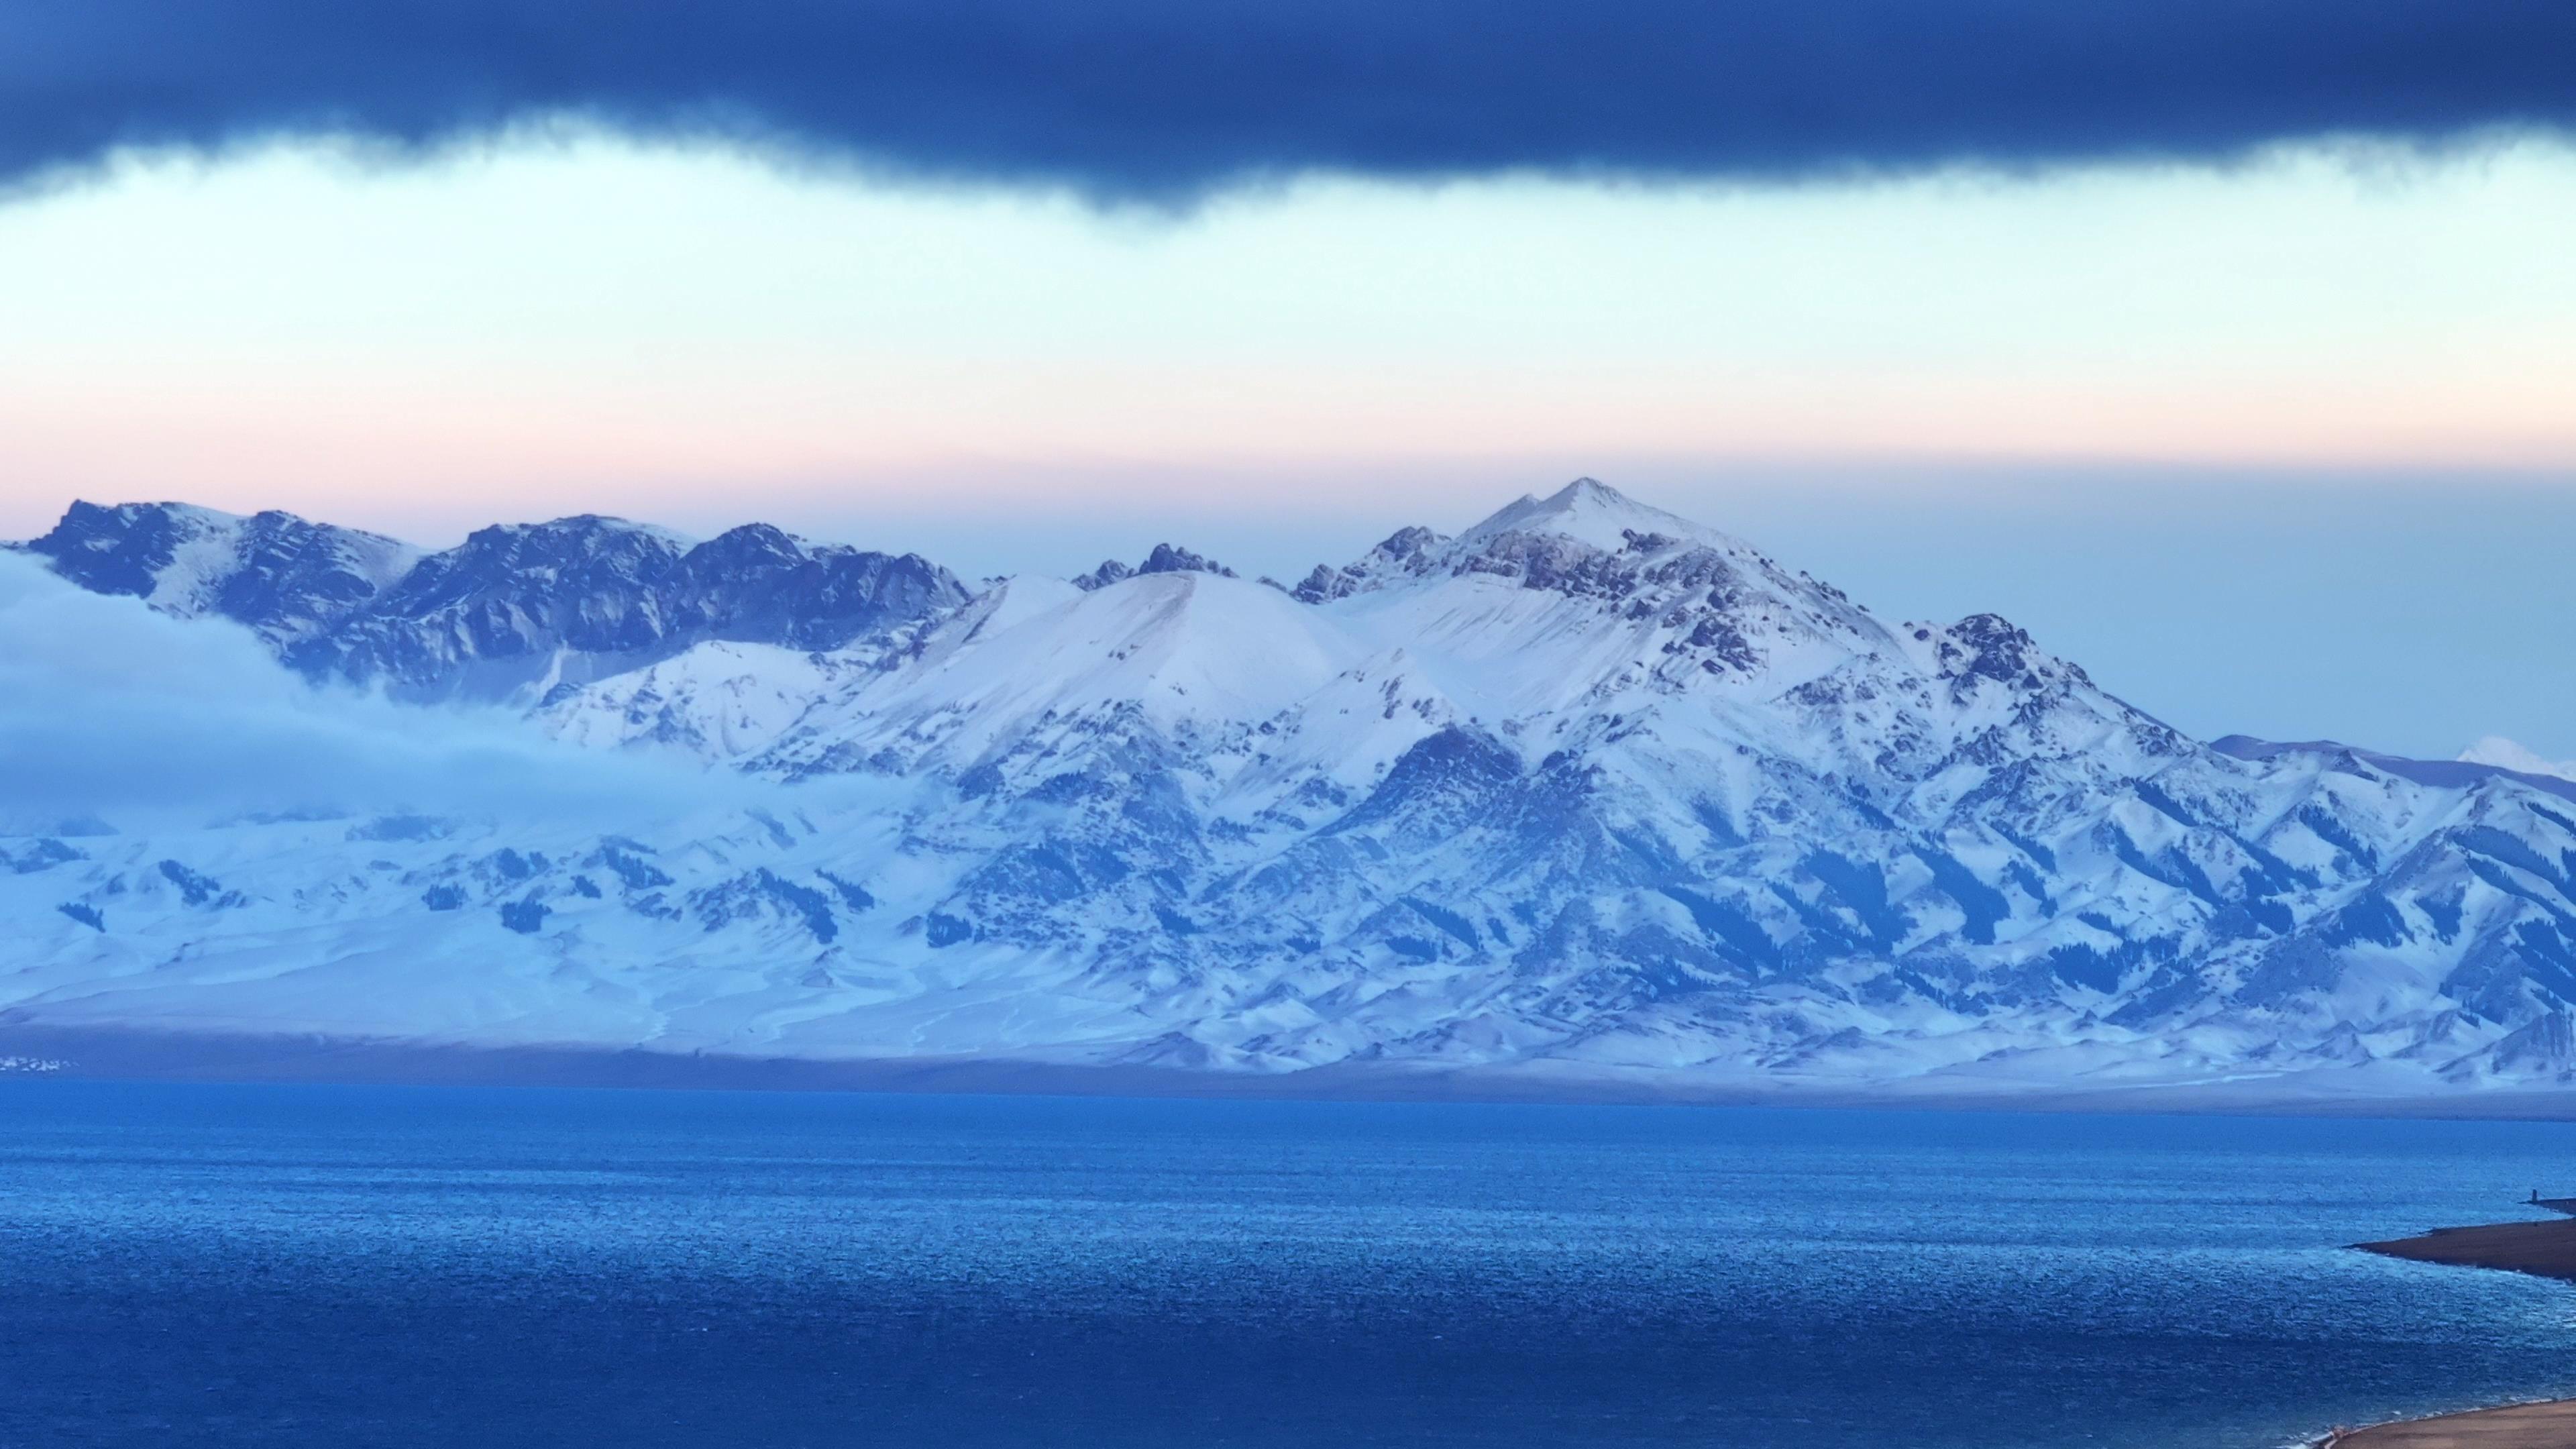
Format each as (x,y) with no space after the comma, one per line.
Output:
(516,608)
(592,532)
(1405,551)
(1166,558)
(1592,512)
(1589,792)
(273,571)
(2507,754)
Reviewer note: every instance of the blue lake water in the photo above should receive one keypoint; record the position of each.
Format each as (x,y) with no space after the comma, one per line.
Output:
(387,1266)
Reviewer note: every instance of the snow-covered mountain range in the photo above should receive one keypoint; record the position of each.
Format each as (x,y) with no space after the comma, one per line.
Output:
(1586,797)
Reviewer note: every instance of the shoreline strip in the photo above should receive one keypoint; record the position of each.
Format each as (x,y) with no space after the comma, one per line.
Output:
(2544,1249)
(2547,1425)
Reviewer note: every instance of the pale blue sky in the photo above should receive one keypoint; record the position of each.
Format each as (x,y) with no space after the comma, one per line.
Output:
(2283,446)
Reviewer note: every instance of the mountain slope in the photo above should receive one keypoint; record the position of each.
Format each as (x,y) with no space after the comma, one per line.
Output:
(1584,793)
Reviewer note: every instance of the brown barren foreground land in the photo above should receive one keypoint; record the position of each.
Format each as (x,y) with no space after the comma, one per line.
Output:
(2525,1426)
(2547,1249)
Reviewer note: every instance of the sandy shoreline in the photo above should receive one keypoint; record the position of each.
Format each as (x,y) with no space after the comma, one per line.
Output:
(2520,1426)
(2545,1249)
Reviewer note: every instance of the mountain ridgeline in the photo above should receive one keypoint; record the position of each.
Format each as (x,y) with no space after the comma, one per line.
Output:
(1585,798)
(511,607)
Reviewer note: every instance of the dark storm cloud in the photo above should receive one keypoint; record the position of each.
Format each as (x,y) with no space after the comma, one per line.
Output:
(1169,97)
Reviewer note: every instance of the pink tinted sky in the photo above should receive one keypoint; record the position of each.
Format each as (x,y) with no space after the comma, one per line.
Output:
(2141,409)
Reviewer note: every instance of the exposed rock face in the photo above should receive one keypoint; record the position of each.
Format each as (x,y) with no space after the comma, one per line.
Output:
(1394,557)
(275,572)
(1165,559)
(513,608)
(1587,790)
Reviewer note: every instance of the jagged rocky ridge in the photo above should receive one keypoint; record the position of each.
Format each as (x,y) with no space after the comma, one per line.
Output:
(1585,794)
(512,608)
